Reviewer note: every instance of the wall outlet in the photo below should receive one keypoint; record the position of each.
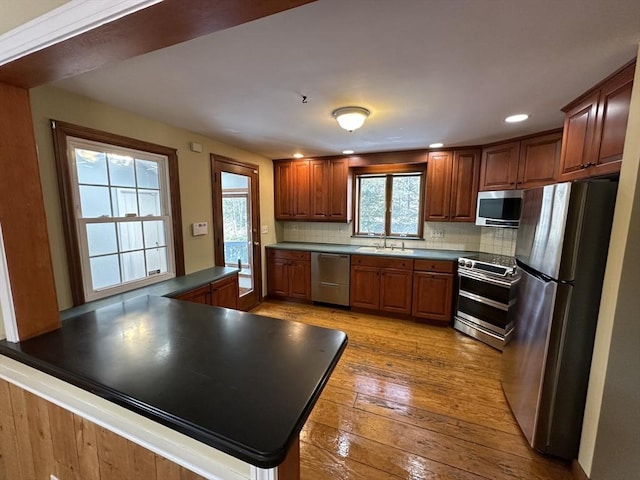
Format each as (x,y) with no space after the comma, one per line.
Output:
(437,233)
(264,229)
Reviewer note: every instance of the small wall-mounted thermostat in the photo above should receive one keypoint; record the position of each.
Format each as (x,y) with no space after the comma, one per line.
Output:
(200,228)
(195,147)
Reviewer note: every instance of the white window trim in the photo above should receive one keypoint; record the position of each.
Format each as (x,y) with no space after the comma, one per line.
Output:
(89,292)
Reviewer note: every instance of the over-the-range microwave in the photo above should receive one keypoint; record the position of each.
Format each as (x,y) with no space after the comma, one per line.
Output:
(499,209)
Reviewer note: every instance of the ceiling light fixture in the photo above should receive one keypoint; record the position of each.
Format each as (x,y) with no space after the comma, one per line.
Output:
(350,118)
(520,117)
(298,155)
(347,152)
(436,145)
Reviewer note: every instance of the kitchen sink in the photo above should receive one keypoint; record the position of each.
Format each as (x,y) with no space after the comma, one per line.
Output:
(384,250)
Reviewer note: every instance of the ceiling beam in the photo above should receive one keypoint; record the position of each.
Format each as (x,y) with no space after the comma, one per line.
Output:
(161,25)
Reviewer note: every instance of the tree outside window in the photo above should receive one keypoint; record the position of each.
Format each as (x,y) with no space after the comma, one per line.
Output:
(389,203)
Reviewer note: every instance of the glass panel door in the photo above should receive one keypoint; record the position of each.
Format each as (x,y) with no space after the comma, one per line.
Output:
(236,222)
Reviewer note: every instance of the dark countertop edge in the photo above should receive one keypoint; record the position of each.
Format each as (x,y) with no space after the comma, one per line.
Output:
(258,459)
(184,283)
(418,253)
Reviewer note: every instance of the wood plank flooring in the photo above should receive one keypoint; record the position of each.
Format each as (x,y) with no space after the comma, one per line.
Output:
(411,401)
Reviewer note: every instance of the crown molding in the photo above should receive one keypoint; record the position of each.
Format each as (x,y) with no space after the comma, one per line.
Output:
(67,21)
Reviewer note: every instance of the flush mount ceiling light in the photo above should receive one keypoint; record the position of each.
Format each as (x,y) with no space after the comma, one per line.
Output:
(351,118)
(298,155)
(347,152)
(436,145)
(520,117)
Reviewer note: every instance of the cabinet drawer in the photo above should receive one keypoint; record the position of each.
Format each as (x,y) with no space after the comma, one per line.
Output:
(288,254)
(382,262)
(434,266)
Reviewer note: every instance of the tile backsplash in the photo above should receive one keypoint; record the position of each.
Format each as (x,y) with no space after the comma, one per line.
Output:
(437,235)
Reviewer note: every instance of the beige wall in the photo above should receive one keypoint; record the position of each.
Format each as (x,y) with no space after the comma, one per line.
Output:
(21,11)
(610,440)
(194,168)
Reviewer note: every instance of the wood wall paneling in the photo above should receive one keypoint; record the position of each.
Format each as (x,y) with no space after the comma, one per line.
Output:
(23,220)
(39,438)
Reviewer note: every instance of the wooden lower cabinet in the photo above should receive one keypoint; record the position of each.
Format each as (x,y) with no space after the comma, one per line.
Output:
(198,295)
(365,287)
(289,274)
(225,293)
(433,290)
(221,293)
(395,290)
(382,284)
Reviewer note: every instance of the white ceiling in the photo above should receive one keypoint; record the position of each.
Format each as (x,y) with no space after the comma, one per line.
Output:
(429,70)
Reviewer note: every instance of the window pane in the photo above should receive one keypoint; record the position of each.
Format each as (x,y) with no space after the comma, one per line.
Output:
(130,236)
(105,271)
(232,181)
(125,202)
(372,204)
(154,235)
(102,238)
(91,167)
(149,202)
(156,261)
(405,206)
(147,174)
(121,170)
(132,266)
(94,201)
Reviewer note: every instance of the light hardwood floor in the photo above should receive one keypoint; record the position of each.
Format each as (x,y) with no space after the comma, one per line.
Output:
(411,401)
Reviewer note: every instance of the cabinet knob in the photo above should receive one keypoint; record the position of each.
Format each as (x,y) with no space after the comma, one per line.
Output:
(512,183)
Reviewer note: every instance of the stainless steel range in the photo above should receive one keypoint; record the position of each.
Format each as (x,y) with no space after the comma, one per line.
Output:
(487,287)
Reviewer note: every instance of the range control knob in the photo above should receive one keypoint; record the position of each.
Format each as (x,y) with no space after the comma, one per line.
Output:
(461,262)
(468,264)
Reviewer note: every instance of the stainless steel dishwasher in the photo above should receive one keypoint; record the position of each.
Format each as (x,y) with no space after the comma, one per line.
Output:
(330,278)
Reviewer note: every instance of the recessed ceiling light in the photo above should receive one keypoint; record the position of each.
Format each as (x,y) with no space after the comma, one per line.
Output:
(520,117)
(298,155)
(436,145)
(348,152)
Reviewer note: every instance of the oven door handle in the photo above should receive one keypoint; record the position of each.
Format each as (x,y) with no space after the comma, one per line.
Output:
(486,301)
(485,278)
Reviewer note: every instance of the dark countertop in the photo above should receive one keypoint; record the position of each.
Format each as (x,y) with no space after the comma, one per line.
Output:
(167,288)
(416,253)
(241,383)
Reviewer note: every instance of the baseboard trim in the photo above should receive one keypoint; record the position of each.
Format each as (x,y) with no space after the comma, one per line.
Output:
(577,472)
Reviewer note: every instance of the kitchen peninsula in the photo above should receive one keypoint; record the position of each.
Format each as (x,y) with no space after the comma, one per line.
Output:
(240,383)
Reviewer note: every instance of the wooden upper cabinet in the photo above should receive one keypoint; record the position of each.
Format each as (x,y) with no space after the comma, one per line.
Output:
(283,190)
(339,188)
(438,186)
(452,186)
(465,173)
(301,197)
(318,184)
(611,122)
(312,189)
(539,157)
(499,166)
(577,141)
(595,126)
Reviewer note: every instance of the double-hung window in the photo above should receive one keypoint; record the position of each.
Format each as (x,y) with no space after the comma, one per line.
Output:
(121,210)
(123,217)
(389,202)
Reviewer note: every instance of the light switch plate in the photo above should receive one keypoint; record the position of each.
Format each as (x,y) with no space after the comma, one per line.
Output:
(199,228)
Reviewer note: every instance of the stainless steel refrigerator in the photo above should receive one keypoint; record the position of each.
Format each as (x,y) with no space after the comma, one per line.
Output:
(561,252)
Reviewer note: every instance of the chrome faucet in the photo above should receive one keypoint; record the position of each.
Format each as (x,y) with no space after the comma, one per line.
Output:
(383,237)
